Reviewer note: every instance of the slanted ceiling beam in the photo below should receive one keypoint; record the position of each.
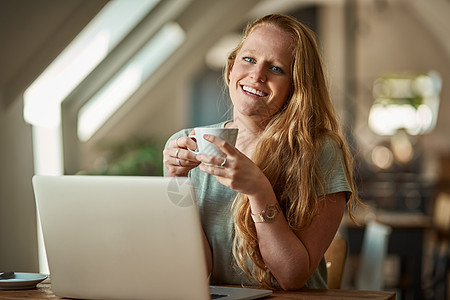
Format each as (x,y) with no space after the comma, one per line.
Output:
(42,27)
(434,16)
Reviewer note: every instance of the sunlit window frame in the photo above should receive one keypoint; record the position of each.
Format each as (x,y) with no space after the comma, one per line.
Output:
(43,98)
(119,89)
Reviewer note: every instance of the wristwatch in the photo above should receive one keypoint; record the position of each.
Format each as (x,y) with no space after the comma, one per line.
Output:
(268,214)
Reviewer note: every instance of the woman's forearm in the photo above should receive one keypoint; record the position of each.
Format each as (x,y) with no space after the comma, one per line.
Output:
(292,256)
(208,254)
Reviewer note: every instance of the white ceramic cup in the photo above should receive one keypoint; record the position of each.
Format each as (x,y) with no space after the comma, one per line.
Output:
(205,147)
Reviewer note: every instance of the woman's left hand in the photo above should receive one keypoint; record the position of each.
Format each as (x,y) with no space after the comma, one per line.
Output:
(235,170)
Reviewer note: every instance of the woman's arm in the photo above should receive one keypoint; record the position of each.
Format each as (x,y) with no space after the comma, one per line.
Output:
(291,256)
(208,254)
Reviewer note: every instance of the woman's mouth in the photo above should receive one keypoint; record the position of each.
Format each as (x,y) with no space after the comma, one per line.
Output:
(253,92)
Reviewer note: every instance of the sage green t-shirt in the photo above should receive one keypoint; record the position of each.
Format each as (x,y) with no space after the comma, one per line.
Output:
(214,202)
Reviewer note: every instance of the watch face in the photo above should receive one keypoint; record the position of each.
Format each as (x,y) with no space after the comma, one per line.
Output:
(268,214)
(271,212)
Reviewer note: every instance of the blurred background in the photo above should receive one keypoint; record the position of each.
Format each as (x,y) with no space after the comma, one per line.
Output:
(97,87)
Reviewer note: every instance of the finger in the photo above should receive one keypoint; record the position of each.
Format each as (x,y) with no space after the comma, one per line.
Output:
(213,170)
(186,142)
(183,163)
(217,161)
(187,155)
(192,135)
(220,143)
(167,155)
(175,170)
(177,151)
(172,155)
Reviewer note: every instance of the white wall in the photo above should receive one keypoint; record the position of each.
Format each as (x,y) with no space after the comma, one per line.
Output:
(18,242)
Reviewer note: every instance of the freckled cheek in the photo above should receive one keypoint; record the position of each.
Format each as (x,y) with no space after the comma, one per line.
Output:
(233,87)
(283,94)
(238,71)
(233,79)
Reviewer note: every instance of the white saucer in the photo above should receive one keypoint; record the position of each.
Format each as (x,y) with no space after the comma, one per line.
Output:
(22,281)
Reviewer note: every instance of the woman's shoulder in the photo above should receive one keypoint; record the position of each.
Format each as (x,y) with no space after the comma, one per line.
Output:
(330,144)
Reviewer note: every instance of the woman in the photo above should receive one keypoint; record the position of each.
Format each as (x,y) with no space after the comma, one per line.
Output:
(271,209)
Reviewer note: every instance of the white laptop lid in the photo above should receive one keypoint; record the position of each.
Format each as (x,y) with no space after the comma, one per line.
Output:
(122,237)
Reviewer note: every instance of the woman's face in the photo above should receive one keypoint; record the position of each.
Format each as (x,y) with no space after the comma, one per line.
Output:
(260,79)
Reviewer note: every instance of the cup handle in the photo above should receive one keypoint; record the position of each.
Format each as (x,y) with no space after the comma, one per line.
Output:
(196,150)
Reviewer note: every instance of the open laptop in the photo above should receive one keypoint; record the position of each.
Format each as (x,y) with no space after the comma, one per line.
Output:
(123,237)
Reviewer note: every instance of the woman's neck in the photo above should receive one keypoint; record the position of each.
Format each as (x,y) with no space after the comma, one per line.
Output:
(249,133)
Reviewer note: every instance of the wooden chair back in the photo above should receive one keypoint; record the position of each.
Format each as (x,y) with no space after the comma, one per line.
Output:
(335,256)
(441,216)
(438,281)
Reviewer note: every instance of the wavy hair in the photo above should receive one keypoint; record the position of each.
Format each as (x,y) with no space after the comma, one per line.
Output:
(287,152)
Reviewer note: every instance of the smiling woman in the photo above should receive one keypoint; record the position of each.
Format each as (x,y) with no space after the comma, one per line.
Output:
(262,71)
(277,199)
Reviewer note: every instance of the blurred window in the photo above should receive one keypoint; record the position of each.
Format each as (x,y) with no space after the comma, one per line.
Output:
(119,89)
(405,102)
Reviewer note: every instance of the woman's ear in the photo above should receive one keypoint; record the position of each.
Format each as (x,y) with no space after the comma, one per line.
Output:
(229,72)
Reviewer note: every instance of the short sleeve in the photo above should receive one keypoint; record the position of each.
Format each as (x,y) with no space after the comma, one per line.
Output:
(333,169)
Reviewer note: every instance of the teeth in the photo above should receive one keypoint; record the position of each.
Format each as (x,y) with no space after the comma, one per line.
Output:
(253,91)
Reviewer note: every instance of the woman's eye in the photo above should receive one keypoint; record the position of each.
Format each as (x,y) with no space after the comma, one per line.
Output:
(249,59)
(277,69)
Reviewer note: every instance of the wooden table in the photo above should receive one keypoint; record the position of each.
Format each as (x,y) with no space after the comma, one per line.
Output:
(44,292)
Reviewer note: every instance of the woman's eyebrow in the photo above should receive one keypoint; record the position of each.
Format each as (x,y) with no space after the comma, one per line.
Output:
(271,60)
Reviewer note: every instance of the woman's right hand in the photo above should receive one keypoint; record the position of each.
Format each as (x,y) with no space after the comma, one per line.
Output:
(177,157)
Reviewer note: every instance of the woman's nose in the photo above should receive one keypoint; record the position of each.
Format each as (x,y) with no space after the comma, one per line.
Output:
(258,73)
